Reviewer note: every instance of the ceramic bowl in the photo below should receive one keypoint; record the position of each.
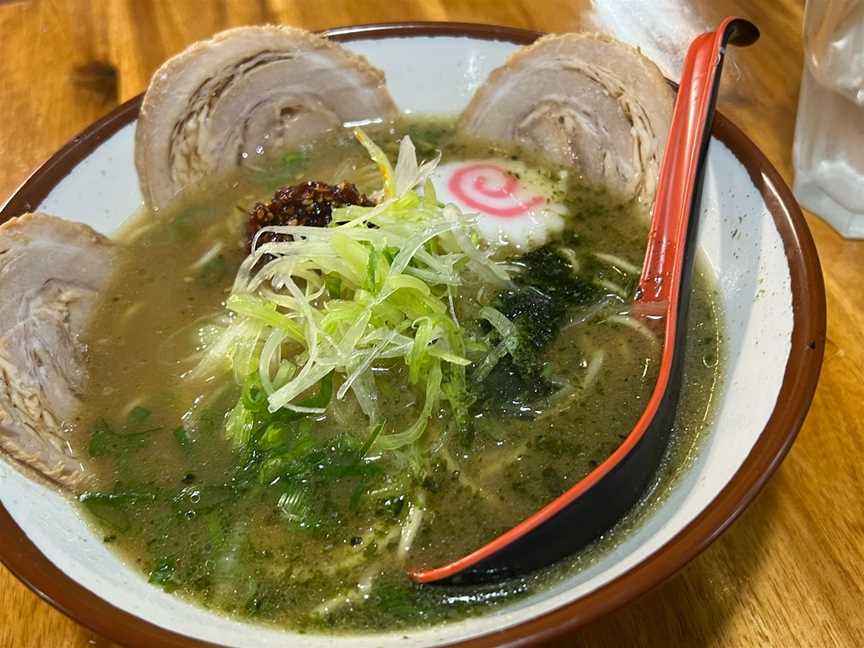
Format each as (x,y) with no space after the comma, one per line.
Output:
(752,234)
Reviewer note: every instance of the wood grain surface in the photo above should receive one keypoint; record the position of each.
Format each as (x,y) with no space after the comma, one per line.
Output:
(789,572)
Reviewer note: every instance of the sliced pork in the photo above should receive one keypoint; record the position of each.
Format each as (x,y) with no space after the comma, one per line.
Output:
(51,274)
(228,101)
(583,100)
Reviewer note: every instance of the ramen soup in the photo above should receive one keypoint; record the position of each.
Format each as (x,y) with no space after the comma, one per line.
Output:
(385,384)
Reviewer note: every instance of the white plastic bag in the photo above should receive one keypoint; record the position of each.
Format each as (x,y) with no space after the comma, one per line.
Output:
(829,131)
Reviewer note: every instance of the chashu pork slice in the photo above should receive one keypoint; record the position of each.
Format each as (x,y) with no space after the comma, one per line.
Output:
(52,272)
(582,100)
(227,101)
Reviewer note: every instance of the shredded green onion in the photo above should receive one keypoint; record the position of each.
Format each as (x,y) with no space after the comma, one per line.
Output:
(377,283)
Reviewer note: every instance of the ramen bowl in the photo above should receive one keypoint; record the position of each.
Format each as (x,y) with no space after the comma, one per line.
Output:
(752,235)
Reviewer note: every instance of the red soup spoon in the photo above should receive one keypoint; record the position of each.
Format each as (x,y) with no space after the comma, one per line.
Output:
(594,504)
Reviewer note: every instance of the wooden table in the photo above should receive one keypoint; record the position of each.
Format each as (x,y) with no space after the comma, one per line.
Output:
(789,572)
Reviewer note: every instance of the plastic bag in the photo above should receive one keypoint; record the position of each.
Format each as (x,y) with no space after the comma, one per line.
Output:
(828,152)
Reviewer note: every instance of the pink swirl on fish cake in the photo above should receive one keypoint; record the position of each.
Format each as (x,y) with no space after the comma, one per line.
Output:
(492,190)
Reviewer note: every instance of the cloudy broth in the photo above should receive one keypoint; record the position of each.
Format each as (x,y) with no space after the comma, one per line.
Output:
(182,503)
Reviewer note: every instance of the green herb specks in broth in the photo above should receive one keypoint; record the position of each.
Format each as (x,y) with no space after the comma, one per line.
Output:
(391,400)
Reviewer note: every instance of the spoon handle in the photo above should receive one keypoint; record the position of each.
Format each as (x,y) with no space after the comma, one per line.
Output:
(682,169)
